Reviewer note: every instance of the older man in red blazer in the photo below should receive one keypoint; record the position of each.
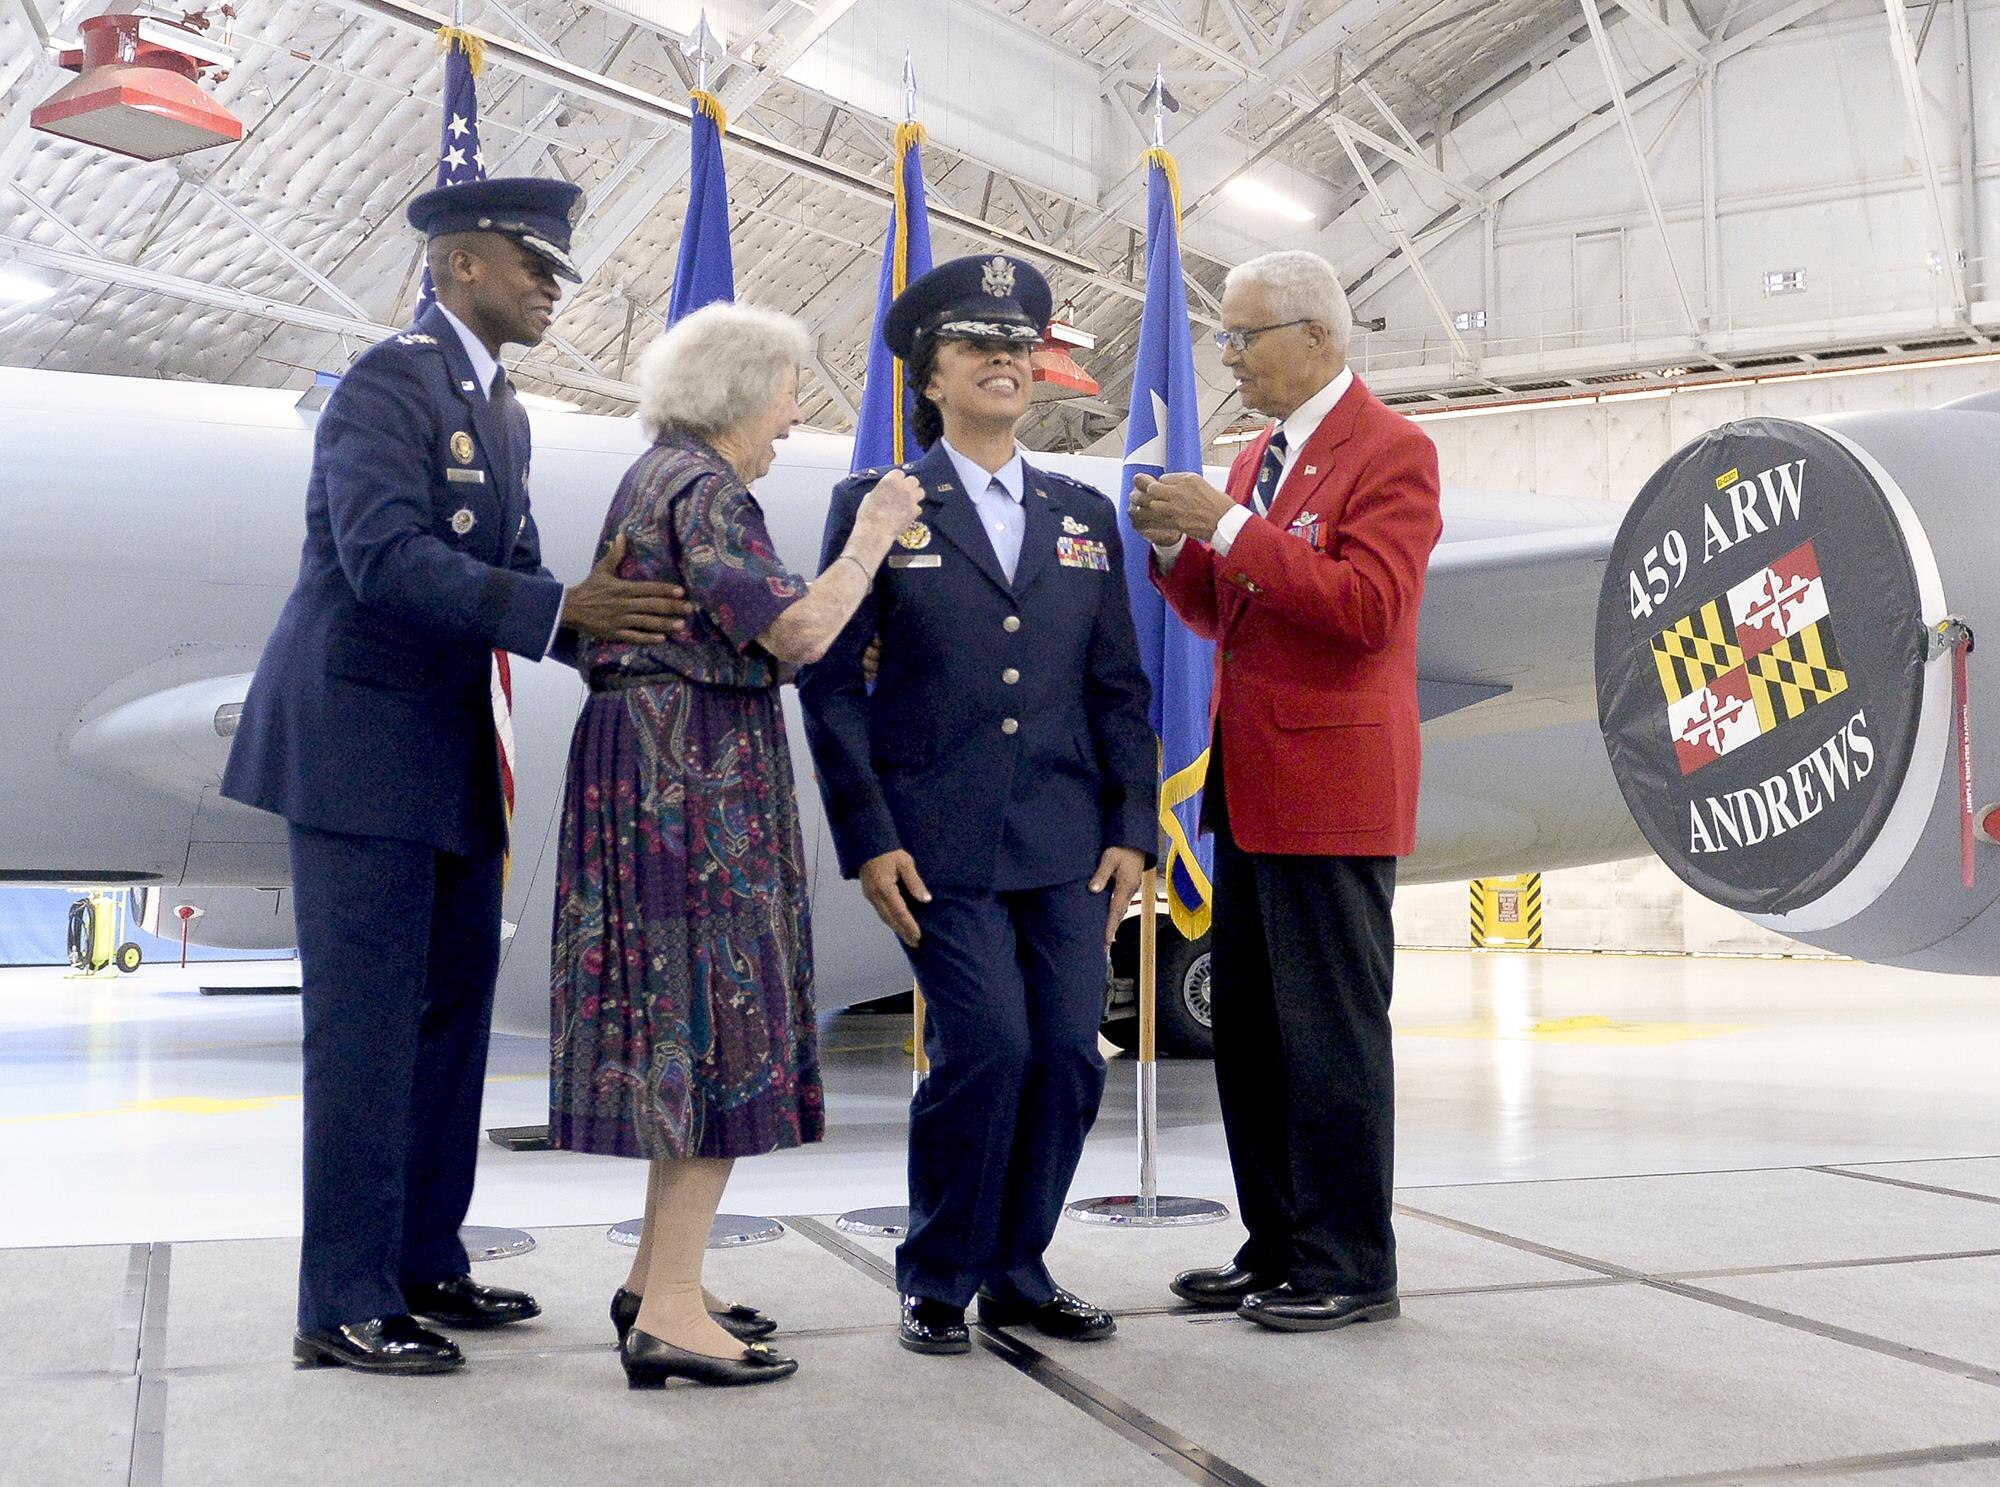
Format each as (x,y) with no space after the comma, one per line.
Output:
(1307,573)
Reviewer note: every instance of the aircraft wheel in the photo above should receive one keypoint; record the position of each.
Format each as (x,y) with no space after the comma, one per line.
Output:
(1186,1028)
(129,957)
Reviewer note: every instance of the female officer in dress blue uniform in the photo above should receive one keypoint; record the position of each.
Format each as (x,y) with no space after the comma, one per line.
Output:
(995,794)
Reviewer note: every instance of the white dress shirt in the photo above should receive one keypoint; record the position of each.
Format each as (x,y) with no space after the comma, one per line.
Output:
(485,365)
(1297,429)
(996,496)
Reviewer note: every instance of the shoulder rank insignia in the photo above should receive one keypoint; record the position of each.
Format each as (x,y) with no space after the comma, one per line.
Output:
(916,536)
(463,521)
(1074,527)
(461,447)
(415,338)
(998,277)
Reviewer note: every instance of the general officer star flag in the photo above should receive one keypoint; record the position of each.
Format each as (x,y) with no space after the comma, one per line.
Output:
(1164,434)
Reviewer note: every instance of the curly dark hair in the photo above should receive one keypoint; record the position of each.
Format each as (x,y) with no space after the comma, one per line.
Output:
(927,423)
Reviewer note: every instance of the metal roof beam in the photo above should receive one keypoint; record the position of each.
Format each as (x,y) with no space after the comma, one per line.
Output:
(1904,52)
(1591,126)
(241,302)
(1639,166)
(513,55)
(1312,44)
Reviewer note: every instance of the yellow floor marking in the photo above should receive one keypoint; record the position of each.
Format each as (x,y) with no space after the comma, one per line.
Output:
(175,1105)
(200,1105)
(1596,1031)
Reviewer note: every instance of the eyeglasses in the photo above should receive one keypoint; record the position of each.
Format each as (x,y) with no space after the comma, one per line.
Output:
(1239,340)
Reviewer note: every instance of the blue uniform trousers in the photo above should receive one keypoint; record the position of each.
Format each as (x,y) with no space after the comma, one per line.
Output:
(399,945)
(1015,986)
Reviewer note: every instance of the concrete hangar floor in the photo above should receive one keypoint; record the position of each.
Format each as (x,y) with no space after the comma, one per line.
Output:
(1662,1221)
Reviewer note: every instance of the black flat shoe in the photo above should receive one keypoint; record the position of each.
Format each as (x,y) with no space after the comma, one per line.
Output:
(744,1323)
(1221,1286)
(463,1302)
(933,1327)
(1064,1315)
(378,1345)
(1289,1308)
(649,1363)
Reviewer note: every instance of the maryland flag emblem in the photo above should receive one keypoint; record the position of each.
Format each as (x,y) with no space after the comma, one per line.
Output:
(1773,658)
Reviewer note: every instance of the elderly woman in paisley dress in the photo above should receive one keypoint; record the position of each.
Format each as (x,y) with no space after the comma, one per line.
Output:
(682,974)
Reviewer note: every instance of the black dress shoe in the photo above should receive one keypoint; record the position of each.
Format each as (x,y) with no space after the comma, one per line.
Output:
(744,1323)
(649,1363)
(463,1302)
(378,1345)
(933,1327)
(1064,1315)
(1289,1308)
(1221,1286)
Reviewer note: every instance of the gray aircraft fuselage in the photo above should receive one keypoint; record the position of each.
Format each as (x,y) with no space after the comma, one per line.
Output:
(150,531)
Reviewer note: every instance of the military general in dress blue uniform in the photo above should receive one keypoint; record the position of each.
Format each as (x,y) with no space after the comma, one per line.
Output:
(995,795)
(370,728)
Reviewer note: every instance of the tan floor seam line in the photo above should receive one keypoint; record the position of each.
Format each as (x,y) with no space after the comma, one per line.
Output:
(1795,1471)
(1164,1444)
(1958,1367)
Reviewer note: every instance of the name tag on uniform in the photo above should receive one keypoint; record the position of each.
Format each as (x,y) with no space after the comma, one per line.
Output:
(1083,552)
(915,560)
(465,477)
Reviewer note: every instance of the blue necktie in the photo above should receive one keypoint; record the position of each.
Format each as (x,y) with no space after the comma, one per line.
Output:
(1268,473)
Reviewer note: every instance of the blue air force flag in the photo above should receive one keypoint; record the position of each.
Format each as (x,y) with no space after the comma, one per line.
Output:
(882,431)
(704,273)
(1164,434)
(459,157)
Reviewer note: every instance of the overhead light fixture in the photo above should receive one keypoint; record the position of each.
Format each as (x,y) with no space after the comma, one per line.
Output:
(1785,281)
(1241,434)
(1266,199)
(1671,372)
(1054,372)
(548,404)
(138,91)
(17,288)
(1469,320)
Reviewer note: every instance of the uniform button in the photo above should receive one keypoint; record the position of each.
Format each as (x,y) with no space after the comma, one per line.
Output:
(1010,726)
(1229,655)
(1010,676)
(1011,623)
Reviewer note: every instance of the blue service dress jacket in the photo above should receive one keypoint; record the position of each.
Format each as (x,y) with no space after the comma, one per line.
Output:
(1005,744)
(371,710)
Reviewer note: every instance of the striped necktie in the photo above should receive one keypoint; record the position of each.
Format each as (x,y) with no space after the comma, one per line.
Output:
(1268,473)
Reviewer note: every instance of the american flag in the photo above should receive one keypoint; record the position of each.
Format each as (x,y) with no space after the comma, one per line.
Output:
(459,157)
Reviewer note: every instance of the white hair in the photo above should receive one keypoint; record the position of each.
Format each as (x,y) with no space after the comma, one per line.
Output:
(716,368)
(1301,286)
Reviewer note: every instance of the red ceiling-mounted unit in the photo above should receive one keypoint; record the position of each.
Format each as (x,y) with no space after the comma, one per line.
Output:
(137,91)
(1055,372)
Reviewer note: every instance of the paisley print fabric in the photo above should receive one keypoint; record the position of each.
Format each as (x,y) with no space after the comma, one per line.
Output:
(681,980)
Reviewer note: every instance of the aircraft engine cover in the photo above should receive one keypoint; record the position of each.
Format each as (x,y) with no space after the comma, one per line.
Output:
(1766,686)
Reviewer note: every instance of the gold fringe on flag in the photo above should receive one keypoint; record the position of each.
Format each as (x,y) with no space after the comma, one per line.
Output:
(908,136)
(468,42)
(1159,157)
(705,102)
(1177,789)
